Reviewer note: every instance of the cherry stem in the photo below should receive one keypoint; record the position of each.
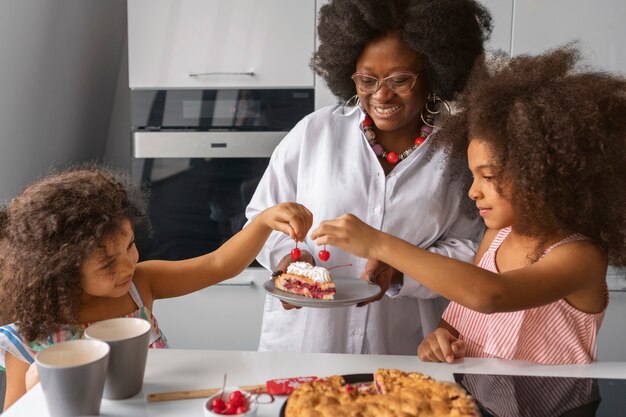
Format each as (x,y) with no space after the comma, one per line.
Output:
(223,386)
(339,266)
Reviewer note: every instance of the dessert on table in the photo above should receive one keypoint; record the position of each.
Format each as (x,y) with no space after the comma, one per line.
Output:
(392,393)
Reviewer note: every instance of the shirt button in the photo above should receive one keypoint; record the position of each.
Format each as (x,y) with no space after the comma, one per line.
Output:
(377,210)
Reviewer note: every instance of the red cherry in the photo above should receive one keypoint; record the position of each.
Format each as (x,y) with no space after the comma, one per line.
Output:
(295,254)
(419,140)
(241,410)
(324,255)
(218,405)
(235,395)
(236,400)
(392,157)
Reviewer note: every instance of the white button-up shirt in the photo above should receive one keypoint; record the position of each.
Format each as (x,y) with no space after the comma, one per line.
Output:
(326,164)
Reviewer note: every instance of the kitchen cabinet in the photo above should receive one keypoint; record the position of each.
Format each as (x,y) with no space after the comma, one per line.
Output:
(598,25)
(220,43)
(612,335)
(226,316)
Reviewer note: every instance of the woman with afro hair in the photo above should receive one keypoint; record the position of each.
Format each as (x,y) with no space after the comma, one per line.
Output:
(394,64)
(546,144)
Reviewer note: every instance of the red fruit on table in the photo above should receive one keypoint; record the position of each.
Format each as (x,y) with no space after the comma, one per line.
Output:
(218,405)
(235,395)
(236,401)
(295,254)
(230,411)
(324,255)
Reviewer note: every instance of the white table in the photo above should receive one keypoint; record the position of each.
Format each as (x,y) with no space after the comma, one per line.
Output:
(176,370)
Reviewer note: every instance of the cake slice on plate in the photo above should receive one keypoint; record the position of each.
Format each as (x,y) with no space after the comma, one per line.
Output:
(304,279)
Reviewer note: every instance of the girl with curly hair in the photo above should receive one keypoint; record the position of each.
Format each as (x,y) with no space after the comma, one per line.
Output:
(547,150)
(68,259)
(392,62)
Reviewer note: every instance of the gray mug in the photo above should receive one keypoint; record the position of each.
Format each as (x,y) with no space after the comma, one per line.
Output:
(129,339)
(72,376)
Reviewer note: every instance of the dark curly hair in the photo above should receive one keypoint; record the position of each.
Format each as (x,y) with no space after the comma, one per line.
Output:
(48,231)
(558,134)
(447,34)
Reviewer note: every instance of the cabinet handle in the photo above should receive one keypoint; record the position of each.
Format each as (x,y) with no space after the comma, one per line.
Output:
(198,74)
(237,284)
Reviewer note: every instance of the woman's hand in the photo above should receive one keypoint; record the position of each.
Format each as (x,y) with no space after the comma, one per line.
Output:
(381,274)
(293,219)
(348,233)
(441,346)
(305,256)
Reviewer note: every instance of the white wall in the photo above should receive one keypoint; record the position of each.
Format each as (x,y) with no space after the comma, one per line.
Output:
(59,63)
(597,24)
(118,144)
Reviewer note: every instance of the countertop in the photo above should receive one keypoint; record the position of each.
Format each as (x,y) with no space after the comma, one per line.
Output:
(176,370)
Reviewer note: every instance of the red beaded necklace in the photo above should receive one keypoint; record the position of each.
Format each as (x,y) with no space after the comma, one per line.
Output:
(391,157)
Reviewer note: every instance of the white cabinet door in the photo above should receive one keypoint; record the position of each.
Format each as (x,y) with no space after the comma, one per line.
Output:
(226,316)
(597,24)
(220,43)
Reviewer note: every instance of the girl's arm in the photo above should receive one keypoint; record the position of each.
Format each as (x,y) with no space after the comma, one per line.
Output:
(567,270)
(174,278)
(16,379)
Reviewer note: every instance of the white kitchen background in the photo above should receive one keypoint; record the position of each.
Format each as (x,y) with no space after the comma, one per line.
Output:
(65,75)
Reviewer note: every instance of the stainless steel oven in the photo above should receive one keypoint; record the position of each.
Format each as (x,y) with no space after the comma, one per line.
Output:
(200,154)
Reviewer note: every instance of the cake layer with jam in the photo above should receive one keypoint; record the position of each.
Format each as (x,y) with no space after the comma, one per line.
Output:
(304,279)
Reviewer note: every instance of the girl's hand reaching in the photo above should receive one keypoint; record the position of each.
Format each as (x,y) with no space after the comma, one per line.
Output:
(348,233)
(441,346)
(292,219)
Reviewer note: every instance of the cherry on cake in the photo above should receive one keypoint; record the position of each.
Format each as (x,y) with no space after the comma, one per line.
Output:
(304,279)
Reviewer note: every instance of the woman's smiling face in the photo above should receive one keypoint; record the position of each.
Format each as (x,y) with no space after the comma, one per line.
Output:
(381,58)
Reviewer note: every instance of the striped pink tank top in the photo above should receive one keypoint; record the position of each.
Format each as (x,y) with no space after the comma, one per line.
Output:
(555,333)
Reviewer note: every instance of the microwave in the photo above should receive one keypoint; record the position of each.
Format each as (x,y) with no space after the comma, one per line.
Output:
(200,155)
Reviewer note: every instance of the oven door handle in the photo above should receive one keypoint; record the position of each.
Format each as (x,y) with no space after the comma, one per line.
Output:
(205,144)
(200,74)
(236,284)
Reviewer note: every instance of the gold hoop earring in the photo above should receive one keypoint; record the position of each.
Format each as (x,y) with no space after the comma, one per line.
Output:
(433,107)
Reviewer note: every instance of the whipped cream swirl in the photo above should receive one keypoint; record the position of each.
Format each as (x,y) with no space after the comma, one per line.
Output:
(316,273)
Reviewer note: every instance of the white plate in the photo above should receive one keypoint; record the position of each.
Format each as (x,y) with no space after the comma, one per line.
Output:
(350,291)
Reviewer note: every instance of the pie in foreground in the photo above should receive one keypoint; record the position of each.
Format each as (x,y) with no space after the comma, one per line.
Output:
(393,393)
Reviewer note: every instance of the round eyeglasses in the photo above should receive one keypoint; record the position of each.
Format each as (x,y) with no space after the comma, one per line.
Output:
(400,82)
